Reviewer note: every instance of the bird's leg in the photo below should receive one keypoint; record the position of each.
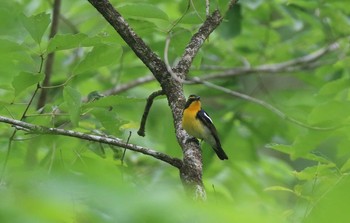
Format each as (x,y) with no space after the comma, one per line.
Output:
(192,139)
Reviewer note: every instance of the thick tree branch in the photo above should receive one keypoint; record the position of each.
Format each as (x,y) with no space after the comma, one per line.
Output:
(309,61)
(36,129)
(191,170)
(140,48)
(197,41)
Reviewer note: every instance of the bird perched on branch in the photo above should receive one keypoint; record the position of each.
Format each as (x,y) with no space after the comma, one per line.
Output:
(197,123)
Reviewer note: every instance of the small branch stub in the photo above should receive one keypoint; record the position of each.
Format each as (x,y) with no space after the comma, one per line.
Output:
(141,131)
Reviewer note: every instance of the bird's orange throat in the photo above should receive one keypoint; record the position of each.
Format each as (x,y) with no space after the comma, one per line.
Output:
(195,106)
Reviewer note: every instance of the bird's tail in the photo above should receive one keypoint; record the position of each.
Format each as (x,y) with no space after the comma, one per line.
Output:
(220,152)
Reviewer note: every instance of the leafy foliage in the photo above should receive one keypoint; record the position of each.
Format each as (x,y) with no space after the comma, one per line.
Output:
(278,170)
(36,25)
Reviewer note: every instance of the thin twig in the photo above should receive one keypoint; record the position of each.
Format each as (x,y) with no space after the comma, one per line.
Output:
(22,117)
(166,61)
(265,105)
(66,21)
(35,91)
(36,129)
(141,131)
(30,102)
(196,11)
(134,83)
(308,61)
(191,171)
(207,7)
(287,66)
(182,16)
(59,85)
(322,196)
(124,152)
(7,155)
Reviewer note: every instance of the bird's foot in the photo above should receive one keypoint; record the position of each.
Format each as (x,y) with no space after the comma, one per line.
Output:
(192,139)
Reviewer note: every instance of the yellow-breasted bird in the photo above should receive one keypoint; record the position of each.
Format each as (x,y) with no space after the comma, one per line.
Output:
(197,123)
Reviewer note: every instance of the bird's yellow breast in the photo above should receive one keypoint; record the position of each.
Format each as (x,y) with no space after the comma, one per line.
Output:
(190,123)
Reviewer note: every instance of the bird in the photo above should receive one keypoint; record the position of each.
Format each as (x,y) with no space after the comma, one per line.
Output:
(198,124)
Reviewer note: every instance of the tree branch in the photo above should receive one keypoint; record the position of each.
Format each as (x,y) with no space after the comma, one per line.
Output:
(124,87)
(305,62)
(50,56)
(141,131)
(309,61)
(140,48)
(191,170)
(265,105)
(197,40)
(36,129)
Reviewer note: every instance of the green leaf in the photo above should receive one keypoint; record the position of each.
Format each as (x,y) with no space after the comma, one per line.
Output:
(64,42)
(330,113)
(73,99)
(346,166)
(222,5)
(142,11)
(318,158)
(108,120)
(7,46)
(334,87)
(10,53)
(290,150)
(25,80)
(231,26)
(111,101)
(304,3)
(98,149)
(142,27)
(331,206)
(309,173)
(99,56)
(182,36)
(279,188)
(192,18)
(253,4)
(287,149)
(36,25)
(96,40)
(311,140)
(94,95)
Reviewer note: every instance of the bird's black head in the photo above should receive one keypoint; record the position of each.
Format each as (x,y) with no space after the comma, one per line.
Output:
(191,99)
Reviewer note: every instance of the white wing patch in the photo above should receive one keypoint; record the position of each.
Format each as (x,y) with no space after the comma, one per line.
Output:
(207,116)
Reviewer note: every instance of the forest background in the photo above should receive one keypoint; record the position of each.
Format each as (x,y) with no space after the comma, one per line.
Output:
(273,75)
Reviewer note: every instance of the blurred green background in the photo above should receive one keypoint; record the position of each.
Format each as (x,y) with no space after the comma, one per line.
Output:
(277,171)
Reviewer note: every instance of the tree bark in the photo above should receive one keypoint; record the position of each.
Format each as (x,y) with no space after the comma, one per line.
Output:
(191,170)
(51,56)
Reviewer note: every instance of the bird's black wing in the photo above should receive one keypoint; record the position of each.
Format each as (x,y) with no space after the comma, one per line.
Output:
(205,118)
